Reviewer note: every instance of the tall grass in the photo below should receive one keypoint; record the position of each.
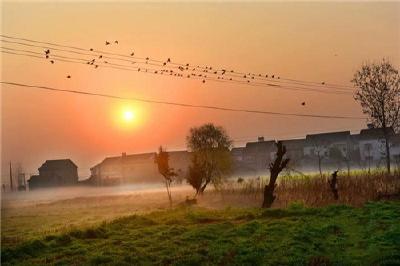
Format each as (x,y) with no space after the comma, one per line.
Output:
(313,190)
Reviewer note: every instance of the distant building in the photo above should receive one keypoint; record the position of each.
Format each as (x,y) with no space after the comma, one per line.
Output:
(294,149)
(55,173)
(372,145)
(254,158)
(136,168)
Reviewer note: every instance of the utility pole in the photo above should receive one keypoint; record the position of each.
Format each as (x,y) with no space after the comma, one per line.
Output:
(11,179)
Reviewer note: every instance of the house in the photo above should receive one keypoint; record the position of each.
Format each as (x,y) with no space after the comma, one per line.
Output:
(294,149)
(136,168)
(179,161)
(257,155)
(395,149)
(55,173)
(320,144)
(372,145)
(124,169)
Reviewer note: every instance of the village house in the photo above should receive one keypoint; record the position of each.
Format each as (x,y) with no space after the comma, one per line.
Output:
(337,150)
(254,157)
(55,173)
(136,168)
(372,145)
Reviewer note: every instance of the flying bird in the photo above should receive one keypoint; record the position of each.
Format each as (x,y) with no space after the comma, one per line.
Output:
(47,56)
(96,66)
(116,42)
(132,54)
(303,103)
(91,49)
(169,60)
(323,83)
(68,77)
(100,56)
(47,51)
(273,76)
(52,61)
(204,81)
(107,43)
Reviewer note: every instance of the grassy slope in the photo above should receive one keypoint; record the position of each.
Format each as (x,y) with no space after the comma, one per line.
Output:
(338,235)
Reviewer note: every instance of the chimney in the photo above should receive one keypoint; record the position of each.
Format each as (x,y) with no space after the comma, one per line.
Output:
(260,139)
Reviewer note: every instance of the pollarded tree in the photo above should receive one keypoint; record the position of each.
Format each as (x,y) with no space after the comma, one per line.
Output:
(378,92)
(211,159)
(162,161)
(275,168)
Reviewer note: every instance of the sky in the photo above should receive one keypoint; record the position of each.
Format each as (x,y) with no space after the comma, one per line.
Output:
(308,41)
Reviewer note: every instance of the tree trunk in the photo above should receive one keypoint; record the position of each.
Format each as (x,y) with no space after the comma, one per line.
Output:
(319,165)
(269,193)
(275,168)
(167,185)
(387,143)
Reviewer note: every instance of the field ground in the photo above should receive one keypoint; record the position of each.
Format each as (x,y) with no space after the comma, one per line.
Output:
(133,225)
(333,235)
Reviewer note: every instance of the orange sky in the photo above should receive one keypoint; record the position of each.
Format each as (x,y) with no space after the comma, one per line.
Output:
(293,40)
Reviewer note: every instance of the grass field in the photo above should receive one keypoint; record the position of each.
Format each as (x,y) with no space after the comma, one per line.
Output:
(333,235)
(134,226)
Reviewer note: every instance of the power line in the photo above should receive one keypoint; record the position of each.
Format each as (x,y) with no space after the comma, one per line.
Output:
(182,104)
(200,76)
(254,76)
(86,61)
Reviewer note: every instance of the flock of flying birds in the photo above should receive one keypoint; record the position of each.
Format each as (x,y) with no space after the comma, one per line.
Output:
(205,71)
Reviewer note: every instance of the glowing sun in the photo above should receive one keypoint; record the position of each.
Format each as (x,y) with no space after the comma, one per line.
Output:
(128,115)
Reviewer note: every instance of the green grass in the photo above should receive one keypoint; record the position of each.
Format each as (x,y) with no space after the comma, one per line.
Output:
(333,235)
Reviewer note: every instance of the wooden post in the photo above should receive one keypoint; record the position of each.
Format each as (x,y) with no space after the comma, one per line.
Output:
(11,179)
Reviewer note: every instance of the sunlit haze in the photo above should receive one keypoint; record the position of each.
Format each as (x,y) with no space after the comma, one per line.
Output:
(308,41)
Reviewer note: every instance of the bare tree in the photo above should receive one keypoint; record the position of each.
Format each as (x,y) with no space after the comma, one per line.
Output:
(275,168)
(211,159)
(320,149)
(378,92)
(162,161)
